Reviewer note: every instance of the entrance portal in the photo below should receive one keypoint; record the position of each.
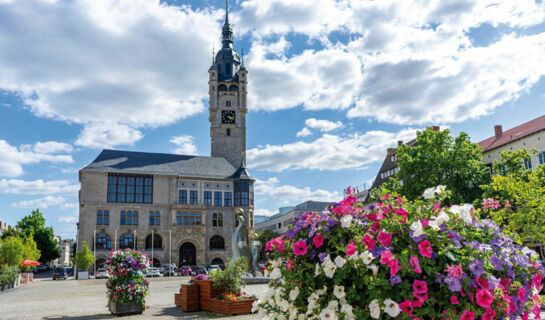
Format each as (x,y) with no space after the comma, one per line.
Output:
(188,255)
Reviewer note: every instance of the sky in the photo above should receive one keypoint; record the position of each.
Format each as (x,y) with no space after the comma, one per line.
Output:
(332,85)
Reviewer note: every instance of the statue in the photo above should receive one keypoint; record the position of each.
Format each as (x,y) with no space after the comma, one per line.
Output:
(244,242)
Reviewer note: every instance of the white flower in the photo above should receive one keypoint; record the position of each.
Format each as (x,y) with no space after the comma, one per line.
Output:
(268,293)
(340,261)
(277,263)
(433,223)
(326,260)
(346,221)
(313,298)
(367,257)
(355,256)
(317,271)
(328,314)
(463,212)
(374,268)
(338,291)
(527,251)
(284,305)
(442,218)
(275,274)
(347,309)
(321,291)
(429,193)
(333,305)
(294,293)
(440,189)
(417,228)
(255,306)
(374,309)
(391,308)
(302,317)
(329,269)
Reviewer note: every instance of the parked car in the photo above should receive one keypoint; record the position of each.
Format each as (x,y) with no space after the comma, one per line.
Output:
(214,267)
(59,273)
(102,274)
(153,272)
(201,270)
(168,271)
(186,271)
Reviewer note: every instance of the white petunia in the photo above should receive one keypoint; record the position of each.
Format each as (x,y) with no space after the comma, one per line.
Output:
(463,212)
(317,271)
(294,293)
(333,305)
(284,305)
(302,317)
(321,291)
(374,309)
(275,274)
(429,193)
(527,251)
(328,314)
(442,218)
(313,298)
(255,306)
(340,261)
(433,223)
(346,221)
(338,291)
(277,263)
(391,308)
(367,257)
(347,310)
(417,228)
(329,269)
(374,268)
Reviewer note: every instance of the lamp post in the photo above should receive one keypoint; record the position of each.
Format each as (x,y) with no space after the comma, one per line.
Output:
(94,251)
(152,236)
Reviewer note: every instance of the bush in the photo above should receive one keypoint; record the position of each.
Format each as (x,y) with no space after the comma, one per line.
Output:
(84,257)
(8,274)
(230,279)
(399,259)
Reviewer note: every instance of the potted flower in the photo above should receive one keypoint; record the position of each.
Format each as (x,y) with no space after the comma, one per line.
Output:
(84,259)
(400,259)
(127,287)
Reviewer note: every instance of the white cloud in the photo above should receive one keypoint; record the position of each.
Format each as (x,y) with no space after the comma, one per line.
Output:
(271,189)
(323,125)
(68,219)
(12,158)
(15,186)
(127,63)
(304,132)
(52,147)
(71,205)
(264,212)
(329,152)
(184,145)
(107,135)
(40,203)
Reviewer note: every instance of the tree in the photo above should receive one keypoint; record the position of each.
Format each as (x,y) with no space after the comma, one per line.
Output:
(33,226)
(12,251)
(84,257)
(439,159)
(515,198)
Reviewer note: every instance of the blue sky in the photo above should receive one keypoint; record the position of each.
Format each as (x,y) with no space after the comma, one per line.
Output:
(332,84)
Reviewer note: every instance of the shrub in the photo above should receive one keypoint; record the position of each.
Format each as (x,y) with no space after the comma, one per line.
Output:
(399,259)
(8,274)
(84,257)
(230,279)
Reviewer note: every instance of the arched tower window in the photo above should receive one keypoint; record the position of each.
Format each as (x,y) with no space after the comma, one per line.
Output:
(217,243)
(233,88)
(222,87)
(157,242)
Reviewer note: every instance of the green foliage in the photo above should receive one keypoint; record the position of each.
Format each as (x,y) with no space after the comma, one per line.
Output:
(33,226)
(11,232)
(7,274)
(12,251)
(230,279)
(84,257)
(524,191)
(31,252)
(440,159)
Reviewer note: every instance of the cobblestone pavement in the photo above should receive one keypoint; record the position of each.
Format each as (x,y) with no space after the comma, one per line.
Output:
(86,299)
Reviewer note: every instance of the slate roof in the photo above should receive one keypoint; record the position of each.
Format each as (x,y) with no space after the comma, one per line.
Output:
(242,173)
(161,163)
(388,164)
(518,132)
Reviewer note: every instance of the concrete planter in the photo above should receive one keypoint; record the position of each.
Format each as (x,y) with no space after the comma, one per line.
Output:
(125,308)
(83,275)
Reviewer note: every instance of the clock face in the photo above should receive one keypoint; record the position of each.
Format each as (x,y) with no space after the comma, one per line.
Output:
(228,116)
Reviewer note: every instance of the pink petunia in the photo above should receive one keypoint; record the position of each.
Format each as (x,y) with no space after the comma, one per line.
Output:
(467,315)
(406,307)
(300,248)
(488,314)
(522,294)
(384,238)
(454,300)
(368,242)
(484,298)
(318,240)
(290,264)
(394,267)
(415,263)
(425,222)
(386,257)
(425,249)
(350,248)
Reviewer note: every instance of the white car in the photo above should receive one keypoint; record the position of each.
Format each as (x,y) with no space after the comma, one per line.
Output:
(102,274)
(153,272)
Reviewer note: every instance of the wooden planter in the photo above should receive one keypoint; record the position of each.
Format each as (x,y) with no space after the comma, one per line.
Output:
(206,292)
(188,298)
(125,308)
(231,307)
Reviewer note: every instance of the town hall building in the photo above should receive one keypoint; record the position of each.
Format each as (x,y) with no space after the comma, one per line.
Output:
(176,208)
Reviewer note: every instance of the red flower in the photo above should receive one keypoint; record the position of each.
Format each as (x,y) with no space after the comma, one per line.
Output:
(425,249)
(368,241)
(318,240)
(384,238)
(300,248)
(407,307)
(484,298)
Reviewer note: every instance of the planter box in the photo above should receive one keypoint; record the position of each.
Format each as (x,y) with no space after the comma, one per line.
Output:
(206,292)
(231,307)
(83,275)
(188,298)
(125,308)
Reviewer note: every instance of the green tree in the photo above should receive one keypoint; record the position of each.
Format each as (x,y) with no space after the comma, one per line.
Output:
(12,251)
(84,257)
(439,159)
(520,196)
(33,226)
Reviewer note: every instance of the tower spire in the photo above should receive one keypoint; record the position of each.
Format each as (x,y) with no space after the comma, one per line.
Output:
(226,11)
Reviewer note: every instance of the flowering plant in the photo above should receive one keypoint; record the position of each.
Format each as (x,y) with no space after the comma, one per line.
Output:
(231,296)
(399,259)
(201,277)
(126,282)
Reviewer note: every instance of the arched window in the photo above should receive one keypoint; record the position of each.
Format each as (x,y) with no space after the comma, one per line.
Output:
(103,242)
(157,242)
(126,241)
(217,243)
(217,261)
(233,88)
(222,87)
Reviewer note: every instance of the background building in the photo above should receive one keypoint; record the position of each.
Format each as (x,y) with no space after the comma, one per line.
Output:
(176,208)
(279,222)
(4,227)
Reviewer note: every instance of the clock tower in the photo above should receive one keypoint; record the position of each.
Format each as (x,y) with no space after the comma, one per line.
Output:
(227,88)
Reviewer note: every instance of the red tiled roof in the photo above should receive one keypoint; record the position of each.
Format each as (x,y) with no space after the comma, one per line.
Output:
(513,134)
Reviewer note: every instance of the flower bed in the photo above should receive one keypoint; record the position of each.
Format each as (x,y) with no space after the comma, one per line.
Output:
(232,303)
(400,259)
(127,284)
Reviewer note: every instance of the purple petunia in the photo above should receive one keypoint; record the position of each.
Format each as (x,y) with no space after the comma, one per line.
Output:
(476,267)
(454,284)
(322,256)
(496,262)
(493,282)
(395,280)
